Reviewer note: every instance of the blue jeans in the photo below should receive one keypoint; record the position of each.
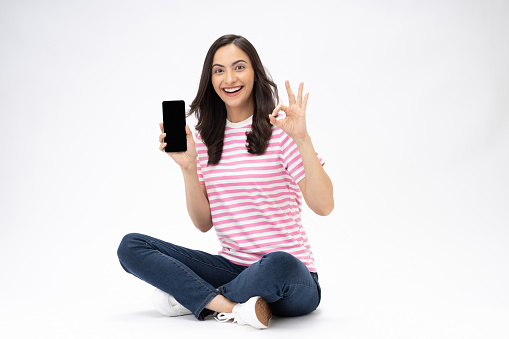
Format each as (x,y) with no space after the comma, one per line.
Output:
(194,277)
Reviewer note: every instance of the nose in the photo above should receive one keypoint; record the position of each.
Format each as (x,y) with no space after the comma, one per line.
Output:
(230,77)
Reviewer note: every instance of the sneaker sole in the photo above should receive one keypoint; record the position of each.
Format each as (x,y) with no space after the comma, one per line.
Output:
(263,312)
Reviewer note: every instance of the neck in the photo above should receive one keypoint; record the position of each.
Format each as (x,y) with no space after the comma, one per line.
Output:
(238,114)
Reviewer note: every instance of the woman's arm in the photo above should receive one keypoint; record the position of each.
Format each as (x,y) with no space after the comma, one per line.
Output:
(316,187)
(196,199)
(196,196)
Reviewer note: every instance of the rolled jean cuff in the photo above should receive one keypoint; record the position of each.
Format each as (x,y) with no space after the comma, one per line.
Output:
(201,312)
(221,290)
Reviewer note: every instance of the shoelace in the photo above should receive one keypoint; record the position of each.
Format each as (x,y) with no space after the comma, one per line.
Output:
(222,317)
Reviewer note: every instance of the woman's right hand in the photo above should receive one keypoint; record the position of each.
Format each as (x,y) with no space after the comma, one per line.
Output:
(185,160)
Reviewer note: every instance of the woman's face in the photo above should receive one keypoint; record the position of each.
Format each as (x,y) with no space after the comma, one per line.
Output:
(233,77)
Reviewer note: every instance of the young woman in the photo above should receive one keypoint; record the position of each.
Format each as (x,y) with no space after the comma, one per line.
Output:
(245,175)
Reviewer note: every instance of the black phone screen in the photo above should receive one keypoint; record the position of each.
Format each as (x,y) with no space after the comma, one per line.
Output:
(174,125)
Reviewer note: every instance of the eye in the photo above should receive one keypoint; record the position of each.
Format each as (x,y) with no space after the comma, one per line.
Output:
(240,67)
(217,70)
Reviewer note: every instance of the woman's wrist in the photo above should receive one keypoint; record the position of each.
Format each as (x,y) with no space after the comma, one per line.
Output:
(300,141)
(189,169)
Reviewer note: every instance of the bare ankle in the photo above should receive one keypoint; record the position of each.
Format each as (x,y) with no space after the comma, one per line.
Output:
(220,304)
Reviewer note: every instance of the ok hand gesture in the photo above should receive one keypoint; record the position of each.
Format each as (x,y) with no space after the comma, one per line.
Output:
(294,124)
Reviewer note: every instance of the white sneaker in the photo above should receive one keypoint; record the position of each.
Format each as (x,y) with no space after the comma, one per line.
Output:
(167,305)
(255,312)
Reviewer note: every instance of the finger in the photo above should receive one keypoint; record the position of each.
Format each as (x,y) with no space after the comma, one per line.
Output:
(291,96)
(278,108)
(161,126)
(161,137)
(162,146)
(274,121)
(189,134)
(299,94)
(305,102)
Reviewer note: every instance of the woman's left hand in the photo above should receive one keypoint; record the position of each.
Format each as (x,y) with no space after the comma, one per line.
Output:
(294,124)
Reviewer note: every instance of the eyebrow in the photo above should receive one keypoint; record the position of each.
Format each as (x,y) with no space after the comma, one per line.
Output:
(236,62)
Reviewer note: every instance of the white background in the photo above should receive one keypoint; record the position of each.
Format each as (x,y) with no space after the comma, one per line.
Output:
(408,105)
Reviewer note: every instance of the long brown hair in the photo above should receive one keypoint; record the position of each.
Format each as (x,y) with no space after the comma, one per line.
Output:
(210,110)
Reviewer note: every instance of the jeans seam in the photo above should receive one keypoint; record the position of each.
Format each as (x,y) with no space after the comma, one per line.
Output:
(190,275)
(209,298)
(200,308)
(212,291)
(189,257)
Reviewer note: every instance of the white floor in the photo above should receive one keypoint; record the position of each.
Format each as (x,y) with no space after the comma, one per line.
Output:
(92,297)
(112,315)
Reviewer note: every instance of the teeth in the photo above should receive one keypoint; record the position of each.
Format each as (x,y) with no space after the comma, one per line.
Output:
(231,90)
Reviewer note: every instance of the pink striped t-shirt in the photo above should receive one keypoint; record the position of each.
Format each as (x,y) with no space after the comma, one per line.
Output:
(255,201)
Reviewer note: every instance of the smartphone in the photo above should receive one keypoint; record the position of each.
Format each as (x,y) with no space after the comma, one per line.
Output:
(174,125)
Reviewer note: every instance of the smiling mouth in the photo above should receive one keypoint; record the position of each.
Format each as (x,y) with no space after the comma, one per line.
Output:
(232,89)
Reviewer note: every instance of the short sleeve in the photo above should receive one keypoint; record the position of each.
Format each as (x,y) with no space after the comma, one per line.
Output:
(292,159)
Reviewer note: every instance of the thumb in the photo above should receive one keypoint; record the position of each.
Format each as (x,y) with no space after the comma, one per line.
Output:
(189,134)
